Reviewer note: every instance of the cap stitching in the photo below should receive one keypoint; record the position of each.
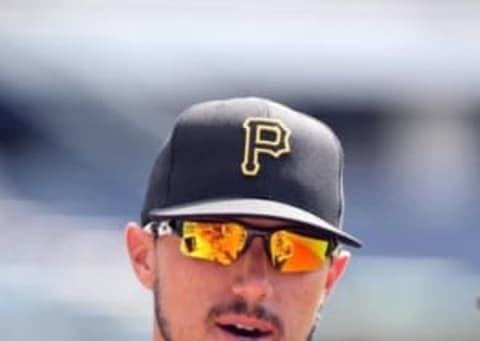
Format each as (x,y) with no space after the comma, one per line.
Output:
(172,161)
(267,178)
(340,182)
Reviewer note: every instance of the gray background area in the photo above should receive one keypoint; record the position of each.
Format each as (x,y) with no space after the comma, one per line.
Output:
(89,92)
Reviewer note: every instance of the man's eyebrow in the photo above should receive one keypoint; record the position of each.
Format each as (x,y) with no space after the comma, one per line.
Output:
(265,222)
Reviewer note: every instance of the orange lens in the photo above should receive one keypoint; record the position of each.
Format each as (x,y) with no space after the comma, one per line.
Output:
(221,242)
(292,252)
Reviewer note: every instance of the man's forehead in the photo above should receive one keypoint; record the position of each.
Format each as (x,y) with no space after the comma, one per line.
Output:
(263,221)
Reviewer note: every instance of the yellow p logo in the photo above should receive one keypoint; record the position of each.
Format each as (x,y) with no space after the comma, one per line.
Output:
(263,136)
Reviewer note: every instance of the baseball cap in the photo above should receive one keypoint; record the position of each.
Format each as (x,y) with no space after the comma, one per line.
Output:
(250,157)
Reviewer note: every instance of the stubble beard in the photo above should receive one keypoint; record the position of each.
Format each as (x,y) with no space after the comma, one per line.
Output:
(164,327)
(160,319)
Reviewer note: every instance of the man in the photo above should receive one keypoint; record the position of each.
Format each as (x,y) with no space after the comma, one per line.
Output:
(241,233)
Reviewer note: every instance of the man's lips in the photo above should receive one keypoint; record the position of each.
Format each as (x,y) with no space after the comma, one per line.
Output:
(245,326)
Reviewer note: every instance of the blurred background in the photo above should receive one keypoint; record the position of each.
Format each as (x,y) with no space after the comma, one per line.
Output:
(89,91)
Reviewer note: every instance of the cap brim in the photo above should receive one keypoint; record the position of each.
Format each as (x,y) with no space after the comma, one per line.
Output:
(254,208)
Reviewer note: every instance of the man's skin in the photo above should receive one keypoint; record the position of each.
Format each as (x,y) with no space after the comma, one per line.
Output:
(193,297)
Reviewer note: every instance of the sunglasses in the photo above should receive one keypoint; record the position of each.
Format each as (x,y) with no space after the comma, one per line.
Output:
(290,249)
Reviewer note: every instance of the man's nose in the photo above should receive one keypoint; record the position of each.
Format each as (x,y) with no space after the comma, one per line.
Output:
(253,282)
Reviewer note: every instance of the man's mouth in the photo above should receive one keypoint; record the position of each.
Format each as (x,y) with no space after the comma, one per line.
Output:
(244,326)
(244,331)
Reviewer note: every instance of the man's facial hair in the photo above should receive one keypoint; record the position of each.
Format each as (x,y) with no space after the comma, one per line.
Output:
(160,319)
(164,327)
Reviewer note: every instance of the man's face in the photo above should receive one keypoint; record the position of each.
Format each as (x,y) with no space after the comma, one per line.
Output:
(247,300)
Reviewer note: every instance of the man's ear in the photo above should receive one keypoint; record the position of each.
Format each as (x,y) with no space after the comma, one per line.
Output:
(338,265)
(142,253)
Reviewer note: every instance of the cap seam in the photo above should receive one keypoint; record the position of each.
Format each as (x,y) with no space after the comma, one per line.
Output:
(267,178)
(340,182)
(172,162)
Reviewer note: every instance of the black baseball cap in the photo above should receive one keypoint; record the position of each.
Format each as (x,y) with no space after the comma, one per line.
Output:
(250,157)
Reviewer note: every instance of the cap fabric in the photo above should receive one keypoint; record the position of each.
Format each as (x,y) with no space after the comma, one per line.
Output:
(250,157)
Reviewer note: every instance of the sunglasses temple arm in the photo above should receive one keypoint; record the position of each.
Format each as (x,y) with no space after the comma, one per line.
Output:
(158,228)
